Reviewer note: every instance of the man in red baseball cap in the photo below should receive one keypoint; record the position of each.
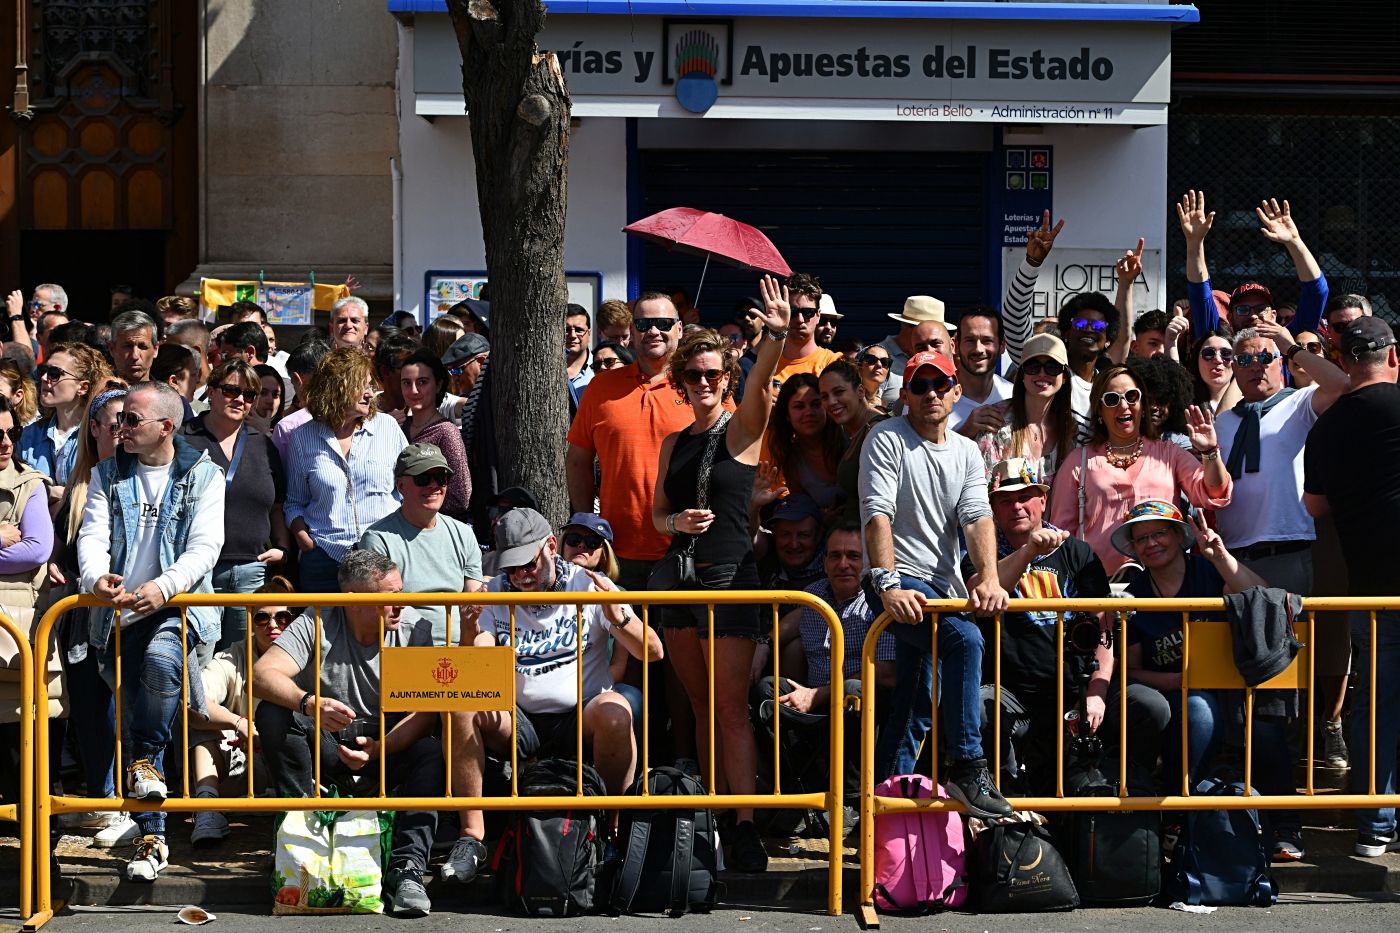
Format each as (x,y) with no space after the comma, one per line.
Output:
(920,484)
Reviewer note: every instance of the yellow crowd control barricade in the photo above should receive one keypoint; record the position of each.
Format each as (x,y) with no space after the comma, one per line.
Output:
(432,679)
(1207,663)
(21,811)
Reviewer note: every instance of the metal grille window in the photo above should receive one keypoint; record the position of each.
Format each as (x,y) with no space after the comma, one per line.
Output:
(1339,174)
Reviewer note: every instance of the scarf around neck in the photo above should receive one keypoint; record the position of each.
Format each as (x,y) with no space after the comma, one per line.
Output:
(1244,453)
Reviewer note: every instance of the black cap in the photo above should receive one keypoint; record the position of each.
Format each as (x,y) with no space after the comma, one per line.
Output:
(1364,335)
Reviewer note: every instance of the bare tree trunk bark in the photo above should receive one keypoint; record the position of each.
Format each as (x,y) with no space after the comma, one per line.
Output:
(519,110)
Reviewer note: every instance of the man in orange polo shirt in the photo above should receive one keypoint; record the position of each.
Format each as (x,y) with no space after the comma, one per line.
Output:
(800,351)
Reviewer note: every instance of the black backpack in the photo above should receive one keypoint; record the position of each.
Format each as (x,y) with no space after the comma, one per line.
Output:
(669,865)
(1015,868)
(1217,857)
(546,861)
(1114,857)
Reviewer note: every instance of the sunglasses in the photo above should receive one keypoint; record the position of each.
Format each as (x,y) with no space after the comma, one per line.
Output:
(52,373)
(433,477)
(941,385)
(263,619)
(1313,346)
(13,434)
(231,392)
(1051,368)
(131,419)
(580,540)
(663,324)
(607,362)
(456,370)
(871,359)
(1249,310)
(806,313)
(1084,323)
(508,571)
(114,428)
(1245,360)
(1112,399)
(692,377)
(1210,353)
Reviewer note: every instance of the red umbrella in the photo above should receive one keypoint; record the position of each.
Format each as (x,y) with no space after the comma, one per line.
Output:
(709,234)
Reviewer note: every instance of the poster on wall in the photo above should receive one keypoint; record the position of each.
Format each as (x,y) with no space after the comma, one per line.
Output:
(287,304)
(1070,270)
(446,288)
(1026,173)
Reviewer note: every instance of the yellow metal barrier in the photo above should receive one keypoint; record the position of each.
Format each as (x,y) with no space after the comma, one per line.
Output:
(1207,663)
(830,800)
(21,812)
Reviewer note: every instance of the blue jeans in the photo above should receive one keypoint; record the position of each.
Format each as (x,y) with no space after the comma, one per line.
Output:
(153,669)
(92,720)
(318,572)
(911,705)
(1378,822)
(233,577)
(1204,729)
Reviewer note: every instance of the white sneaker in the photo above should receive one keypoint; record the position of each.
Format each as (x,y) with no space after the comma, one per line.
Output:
(119,832)
(97,819)
(152,855)
(144,782)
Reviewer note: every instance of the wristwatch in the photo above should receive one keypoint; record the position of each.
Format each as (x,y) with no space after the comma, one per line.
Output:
(626,619)
(1292,351)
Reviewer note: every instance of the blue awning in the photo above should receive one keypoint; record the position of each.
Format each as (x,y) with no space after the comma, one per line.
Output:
(1171,14)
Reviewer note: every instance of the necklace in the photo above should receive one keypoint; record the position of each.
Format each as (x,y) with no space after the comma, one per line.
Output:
(1128,456)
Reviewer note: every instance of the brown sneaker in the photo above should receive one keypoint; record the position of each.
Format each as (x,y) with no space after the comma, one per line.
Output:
(144,782)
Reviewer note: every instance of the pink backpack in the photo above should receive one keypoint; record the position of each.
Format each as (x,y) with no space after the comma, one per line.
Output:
(920,858)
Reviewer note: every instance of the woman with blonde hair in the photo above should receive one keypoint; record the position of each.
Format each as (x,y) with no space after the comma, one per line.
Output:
(340,466)
(19,390)
(67,379)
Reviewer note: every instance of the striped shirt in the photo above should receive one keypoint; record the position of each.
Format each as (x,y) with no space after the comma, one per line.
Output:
(340,499)
(1017,313)
(855,618)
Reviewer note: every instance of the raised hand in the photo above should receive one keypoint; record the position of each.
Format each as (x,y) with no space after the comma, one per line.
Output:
(1272,330)
(1040,242)
(1191,213)
(1130,266)
(765,484)
(1200,428)
(777,310)
(14,303)
(1276,223)
(1208,543)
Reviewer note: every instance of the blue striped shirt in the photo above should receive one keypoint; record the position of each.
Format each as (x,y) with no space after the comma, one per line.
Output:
(337,499)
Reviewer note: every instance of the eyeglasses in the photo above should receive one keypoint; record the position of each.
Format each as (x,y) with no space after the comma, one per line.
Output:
(131,419)
(432,477)
(263,619)
(52,373)
(1249,310)
(807,313)
(1210,353)
(510,571)
(941,385)
(873,359)
(1155,537)
(1245,360)
(231,392)
(1113,399)
(607,362)
(1084,323)
(13,433)
(571,329)
(663,324)
(1051,368)
(692,377)
(580,540)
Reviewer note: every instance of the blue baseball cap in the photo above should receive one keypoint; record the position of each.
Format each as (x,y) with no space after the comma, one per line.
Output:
(795,508)
(594,523)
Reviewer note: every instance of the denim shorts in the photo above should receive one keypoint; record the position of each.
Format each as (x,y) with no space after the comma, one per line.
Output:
(736,620)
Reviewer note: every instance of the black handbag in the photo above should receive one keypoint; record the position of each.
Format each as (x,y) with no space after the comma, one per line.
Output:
(1016,869)
(676,571)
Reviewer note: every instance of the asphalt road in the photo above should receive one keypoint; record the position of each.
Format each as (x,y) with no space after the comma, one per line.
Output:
(1302,913)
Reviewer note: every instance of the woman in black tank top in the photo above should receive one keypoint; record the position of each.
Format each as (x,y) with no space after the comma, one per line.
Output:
(705,370)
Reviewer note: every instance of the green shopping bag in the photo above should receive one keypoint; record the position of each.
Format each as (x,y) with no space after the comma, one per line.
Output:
(330,861)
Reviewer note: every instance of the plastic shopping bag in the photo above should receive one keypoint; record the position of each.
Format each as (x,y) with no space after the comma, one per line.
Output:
(330,862)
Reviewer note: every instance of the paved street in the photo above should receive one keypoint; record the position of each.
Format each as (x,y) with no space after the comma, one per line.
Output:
(1302,913)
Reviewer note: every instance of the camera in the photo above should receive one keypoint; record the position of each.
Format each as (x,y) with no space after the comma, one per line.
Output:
(1084,634)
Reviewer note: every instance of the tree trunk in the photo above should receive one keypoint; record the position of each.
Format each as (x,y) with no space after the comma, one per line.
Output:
(519,110)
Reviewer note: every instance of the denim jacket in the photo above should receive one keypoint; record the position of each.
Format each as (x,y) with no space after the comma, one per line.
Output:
(192,472)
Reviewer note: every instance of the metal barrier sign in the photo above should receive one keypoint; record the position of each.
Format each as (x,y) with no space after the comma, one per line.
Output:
(446,680)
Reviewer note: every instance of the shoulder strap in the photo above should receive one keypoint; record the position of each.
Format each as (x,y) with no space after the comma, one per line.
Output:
(1083,494)
(702,484)
(630,877)
(680,864)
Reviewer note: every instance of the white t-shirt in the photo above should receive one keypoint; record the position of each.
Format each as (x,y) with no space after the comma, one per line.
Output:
(1001,391)
(143,563)
(1268,505)
(1079,392)
(546,648)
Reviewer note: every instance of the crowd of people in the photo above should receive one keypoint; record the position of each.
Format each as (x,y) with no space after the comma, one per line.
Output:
(1205,449)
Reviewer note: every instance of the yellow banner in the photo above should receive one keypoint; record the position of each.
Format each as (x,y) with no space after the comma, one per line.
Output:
(446,680)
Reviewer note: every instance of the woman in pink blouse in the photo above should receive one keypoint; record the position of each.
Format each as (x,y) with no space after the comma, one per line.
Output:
(1123,464)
